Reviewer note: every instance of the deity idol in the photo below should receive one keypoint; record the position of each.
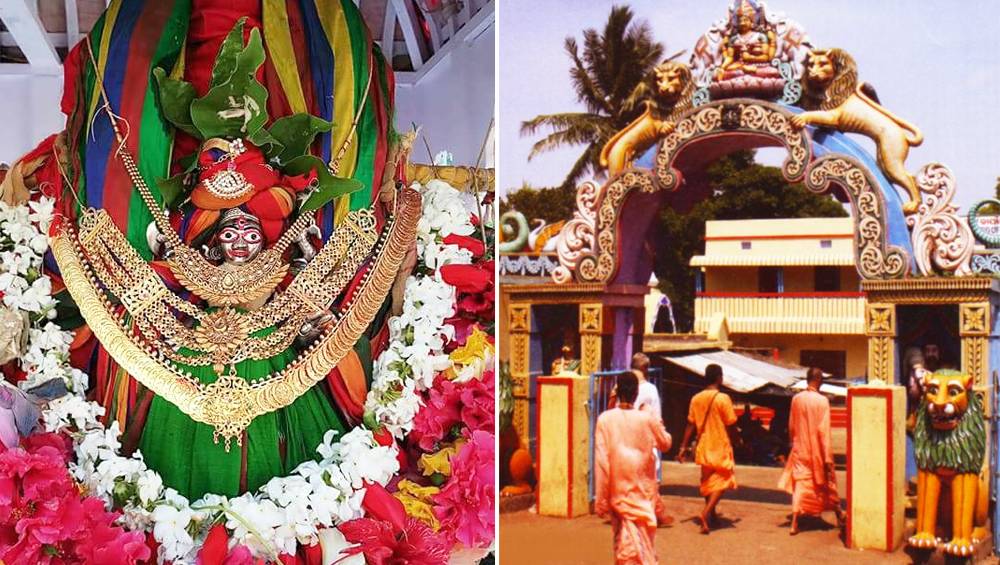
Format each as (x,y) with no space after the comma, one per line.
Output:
(232,233)
(750,45)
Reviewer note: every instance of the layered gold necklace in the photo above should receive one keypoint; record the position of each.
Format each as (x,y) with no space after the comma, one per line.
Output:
(107,280)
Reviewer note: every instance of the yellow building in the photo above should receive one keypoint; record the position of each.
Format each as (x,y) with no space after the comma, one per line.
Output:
(787,286)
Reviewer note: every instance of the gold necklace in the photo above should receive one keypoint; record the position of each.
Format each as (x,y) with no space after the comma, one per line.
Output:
(230,403)
(222,336)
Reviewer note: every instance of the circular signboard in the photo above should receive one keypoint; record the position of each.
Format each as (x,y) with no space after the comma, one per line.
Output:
(984,219)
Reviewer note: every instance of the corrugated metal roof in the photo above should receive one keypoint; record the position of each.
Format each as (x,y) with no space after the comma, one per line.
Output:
(771,260)
(740,372)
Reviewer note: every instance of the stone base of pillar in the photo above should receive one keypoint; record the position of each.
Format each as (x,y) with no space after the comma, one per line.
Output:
(563,452)
(876,467)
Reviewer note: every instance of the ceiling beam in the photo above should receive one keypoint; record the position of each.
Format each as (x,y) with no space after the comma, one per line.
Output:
(411,31)
(29,33)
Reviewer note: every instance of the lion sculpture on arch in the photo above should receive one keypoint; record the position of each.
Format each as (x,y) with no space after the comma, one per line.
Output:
(672,88)
(834,99)
(949,441)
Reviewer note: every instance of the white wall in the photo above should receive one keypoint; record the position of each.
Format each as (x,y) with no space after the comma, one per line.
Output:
(29,112)
(453,102)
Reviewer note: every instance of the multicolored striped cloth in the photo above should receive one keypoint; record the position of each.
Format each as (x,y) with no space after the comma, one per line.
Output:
(320,55)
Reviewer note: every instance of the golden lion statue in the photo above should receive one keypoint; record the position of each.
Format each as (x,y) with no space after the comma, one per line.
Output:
(672,87)
(949,442)
(831,91)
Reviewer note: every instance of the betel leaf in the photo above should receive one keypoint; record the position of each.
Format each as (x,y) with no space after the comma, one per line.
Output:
(228,57)
(329,186)
(235,108)
(266,142)
(171,189)
(296,133)
(176,97)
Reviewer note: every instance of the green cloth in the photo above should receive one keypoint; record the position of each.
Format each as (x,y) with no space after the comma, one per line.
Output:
(184,453)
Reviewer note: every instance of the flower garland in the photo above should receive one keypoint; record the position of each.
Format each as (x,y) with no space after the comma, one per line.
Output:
(338,504)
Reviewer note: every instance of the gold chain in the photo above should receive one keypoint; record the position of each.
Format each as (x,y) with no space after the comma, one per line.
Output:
(224,336)
(231,403)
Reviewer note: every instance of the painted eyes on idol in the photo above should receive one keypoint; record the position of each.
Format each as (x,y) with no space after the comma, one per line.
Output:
(230,235)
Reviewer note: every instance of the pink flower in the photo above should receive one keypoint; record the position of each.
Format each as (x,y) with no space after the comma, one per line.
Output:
(451,410)
(103,542)
(465,504)
(442,410)
(381,545)
(477,399)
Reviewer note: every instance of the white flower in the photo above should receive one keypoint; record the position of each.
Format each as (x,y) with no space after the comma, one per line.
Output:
(150,486)
(334,544)
(170,529)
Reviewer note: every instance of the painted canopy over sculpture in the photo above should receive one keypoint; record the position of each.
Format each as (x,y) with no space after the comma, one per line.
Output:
(232,228)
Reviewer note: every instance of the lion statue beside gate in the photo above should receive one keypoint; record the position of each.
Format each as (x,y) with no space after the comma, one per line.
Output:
(672,88)
(950,446)
(835,99)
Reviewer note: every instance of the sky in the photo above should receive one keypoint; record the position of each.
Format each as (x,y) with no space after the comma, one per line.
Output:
(934,63)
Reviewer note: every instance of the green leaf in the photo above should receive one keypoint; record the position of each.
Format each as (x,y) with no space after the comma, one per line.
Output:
(329,186)
(296,133)
(172,189)
(266,142)
(237,107)
(176,97)
(228,57)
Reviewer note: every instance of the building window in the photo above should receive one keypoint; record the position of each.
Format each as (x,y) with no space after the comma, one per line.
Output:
(769,279)
(825,244)
(827,279)
(832,362)
(744,245)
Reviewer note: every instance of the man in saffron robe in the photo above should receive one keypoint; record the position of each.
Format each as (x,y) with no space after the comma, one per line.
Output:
(809,475)
(711,415)
(626,486)
(648,399)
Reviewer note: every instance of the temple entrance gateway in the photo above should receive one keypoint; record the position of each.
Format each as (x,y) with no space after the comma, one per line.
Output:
(913,252)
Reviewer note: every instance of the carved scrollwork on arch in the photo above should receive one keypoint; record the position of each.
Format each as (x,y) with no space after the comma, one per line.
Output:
(738,115)
(599,263)
(875,258)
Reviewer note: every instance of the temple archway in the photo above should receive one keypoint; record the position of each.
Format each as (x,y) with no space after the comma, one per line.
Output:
(617,216)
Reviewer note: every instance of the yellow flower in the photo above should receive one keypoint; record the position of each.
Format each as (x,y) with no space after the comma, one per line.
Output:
(473,357)
(477,348)
(417,502)
(439,462)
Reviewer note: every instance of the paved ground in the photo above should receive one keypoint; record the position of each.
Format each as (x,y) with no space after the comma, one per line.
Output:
(756,530)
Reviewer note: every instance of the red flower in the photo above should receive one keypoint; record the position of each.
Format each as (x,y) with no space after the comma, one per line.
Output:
(215,548)
(472,244)
(468,278)
(379,503)
(378,541)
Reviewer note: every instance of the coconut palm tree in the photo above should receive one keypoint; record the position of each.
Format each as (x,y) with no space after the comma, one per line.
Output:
(608,78)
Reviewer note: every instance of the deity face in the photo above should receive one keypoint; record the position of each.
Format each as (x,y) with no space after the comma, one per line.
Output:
(820,68)
(670,79)
(947,398)
(745,17)
(240,240)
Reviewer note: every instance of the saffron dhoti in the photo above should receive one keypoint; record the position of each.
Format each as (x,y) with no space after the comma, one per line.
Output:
(808,475)
(626,486)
